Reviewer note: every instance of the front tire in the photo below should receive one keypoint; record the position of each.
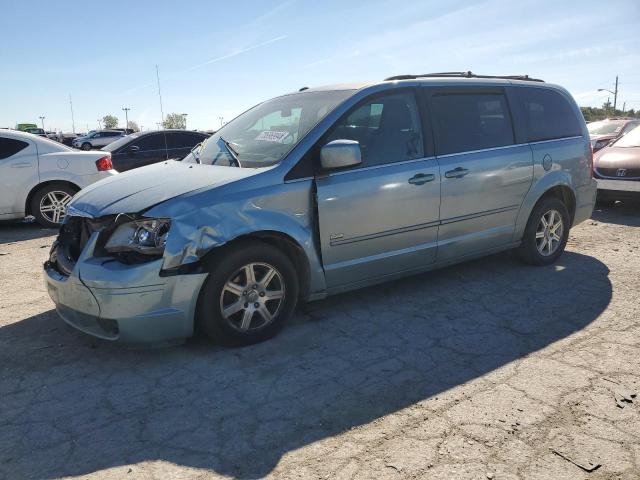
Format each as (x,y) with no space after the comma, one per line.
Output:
(251,292)
(85,146)
(49,203)
(546,234)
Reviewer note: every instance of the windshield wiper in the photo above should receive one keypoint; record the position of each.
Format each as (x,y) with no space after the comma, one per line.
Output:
(232,151)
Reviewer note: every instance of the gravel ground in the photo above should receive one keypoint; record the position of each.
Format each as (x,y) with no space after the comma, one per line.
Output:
(489,369)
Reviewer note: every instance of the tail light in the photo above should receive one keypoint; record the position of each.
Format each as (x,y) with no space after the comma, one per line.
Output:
(104,163)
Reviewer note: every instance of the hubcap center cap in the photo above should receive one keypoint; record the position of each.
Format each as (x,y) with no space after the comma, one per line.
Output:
(253,296)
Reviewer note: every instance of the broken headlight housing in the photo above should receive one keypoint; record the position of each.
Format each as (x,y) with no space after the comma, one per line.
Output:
(146,236)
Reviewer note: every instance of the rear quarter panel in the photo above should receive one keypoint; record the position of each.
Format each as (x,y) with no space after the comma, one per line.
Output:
(569,162)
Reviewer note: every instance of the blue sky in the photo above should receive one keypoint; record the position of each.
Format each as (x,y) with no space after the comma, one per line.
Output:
(218,58)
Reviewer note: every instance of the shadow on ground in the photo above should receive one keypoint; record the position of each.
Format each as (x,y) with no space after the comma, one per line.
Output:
(622,213)
(71,405)
(17,230)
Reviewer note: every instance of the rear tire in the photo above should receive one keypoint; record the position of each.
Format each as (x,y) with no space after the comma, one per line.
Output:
(546,233)
(234,305)
(48,204)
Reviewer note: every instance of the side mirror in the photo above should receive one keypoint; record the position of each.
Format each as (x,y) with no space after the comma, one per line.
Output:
(340,154)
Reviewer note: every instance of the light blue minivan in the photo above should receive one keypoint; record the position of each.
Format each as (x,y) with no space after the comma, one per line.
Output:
(321,191)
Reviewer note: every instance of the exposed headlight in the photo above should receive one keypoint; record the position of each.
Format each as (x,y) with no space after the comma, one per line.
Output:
(146,236)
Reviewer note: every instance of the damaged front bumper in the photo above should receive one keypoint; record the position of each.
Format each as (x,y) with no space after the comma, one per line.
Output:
(111,300)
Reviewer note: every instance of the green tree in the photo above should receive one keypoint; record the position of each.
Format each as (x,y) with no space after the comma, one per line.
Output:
(133,126)
(110,121)
(175,120)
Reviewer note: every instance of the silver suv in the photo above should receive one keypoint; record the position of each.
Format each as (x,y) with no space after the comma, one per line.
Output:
(322,191)
(97,139)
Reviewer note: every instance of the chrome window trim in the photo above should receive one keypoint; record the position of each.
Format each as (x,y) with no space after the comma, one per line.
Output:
(469,152)
(556,139)
(382,165)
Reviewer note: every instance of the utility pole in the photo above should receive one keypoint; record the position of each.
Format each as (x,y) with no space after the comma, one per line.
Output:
(624,104)
(73,123)
(221,121)
(42,120)
(100,124)
(615,96)
(159,94)
(126,116)
(184,115)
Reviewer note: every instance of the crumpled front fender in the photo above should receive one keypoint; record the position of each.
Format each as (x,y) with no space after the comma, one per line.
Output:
(286,208)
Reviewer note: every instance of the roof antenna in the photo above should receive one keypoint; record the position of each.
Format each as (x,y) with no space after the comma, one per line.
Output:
(303,89)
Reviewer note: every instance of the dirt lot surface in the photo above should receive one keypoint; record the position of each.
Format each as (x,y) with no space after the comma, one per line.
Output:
(487,370)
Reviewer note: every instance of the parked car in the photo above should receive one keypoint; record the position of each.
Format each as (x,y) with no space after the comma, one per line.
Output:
(604,132)
(319,192)
(36,131)
(39,176)
(97,139)
(617,169)
(141,149)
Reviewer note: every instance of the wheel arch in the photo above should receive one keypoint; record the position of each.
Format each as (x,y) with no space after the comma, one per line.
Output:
(39,186)
(558,185)
(283,242)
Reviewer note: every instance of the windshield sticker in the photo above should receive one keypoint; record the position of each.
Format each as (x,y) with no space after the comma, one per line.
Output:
(272,136)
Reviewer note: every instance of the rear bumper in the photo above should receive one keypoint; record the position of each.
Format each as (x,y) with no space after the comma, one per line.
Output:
(129,303)
(585,201)
(627,186)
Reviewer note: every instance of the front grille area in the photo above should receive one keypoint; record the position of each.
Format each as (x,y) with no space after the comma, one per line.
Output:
(73,238)
(613,173)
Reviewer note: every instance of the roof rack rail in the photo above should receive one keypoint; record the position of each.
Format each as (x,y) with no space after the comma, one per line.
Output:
(467,74)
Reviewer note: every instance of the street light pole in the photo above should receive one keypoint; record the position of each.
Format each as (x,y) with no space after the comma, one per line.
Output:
(184,115)
(126,116)
(42,120)
(221,120)
(614,93)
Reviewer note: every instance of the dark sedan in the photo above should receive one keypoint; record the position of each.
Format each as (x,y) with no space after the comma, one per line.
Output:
(617,169)
(144,148)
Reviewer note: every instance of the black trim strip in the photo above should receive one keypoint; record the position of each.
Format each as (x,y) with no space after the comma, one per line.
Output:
(386,233)
(343,241)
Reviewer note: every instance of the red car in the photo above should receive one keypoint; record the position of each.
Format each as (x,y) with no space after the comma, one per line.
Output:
(603,132)
(617,169)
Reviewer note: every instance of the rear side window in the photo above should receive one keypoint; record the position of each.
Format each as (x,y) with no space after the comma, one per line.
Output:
(183,140)
(546,114)
(9,147)
(155,141)
(387,128)
(465,122)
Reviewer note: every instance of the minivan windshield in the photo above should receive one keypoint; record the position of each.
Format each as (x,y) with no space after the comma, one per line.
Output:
(263,135)
(631,139)
(604,127)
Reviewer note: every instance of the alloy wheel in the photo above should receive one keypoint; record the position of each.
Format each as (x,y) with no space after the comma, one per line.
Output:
(252,297)
(53,206)
(549,233)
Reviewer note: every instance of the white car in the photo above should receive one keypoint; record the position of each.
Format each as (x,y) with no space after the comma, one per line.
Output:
(97,139)
(39,176)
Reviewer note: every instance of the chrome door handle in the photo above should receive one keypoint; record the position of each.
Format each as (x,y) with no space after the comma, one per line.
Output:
(456,173)
(422,178)
(20,165)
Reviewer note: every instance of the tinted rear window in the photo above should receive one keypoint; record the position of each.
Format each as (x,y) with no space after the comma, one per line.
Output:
(184,139)
(9,147)
(547,114)
(154,141)
(471,121)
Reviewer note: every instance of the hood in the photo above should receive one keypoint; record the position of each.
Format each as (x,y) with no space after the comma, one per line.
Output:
(613,158)
(142,188)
